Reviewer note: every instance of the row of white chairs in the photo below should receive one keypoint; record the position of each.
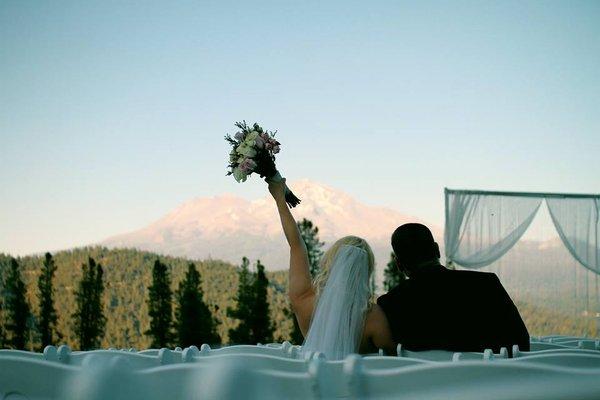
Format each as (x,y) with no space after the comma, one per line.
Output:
(567,358)
(231,376)
(572,344)
(559,338)
(285,350)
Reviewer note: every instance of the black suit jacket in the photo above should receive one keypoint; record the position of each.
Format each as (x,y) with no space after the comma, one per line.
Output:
(438,308)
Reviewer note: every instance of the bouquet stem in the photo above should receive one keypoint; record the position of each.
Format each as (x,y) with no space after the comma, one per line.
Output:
(290,197)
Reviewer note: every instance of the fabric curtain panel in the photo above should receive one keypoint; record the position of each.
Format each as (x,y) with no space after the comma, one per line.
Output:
(578,225)
(482,227)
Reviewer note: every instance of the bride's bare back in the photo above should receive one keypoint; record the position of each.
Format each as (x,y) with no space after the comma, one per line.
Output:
(376,334)
(302,294)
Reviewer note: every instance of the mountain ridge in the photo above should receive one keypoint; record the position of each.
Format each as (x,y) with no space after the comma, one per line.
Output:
(228,227)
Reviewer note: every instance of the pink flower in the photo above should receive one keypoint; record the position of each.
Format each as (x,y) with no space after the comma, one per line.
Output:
(268,146)
(247,165)
(260,142)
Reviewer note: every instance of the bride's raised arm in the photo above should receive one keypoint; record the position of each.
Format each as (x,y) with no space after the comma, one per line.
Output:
(300,289)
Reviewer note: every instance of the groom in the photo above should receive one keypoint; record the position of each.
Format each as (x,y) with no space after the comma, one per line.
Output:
(438,308)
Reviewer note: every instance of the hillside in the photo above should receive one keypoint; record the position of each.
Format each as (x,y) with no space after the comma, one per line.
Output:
(128,275)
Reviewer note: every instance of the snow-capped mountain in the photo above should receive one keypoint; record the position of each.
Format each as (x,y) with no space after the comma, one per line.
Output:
(228,227)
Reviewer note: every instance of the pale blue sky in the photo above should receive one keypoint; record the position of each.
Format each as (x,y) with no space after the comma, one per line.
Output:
(112,114)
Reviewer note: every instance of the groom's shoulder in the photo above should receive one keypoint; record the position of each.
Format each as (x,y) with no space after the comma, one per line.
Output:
(479,281)
(477,275)
(393,293)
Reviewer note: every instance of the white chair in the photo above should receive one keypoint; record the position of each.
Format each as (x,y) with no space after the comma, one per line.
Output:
(430,355)
(174,381)
(537,346)
(567,360)
(278,345)
(255,362)
(31,378)
(205,350)
(563,350)
(384,362)
(473,380)
(134,360)
(588,344)
(562,339)
(21,354)
(112,378)
(443,355)
(487,355)
(149,352)
(229,380)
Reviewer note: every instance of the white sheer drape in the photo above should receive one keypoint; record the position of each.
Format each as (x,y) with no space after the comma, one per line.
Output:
(481,228)
(578,225)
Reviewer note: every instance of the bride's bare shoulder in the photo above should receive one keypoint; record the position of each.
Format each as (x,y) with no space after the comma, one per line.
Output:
(375,318)
(377,330)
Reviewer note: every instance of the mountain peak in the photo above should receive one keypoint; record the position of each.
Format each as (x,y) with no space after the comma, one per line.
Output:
(318,193)
(229,227)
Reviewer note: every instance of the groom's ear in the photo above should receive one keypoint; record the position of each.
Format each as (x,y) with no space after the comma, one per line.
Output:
(397,262)
(437,250)
(399,266)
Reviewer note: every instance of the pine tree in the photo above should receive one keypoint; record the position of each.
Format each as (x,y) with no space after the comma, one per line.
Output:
(17,309)
(392,275)
(296,336)
(194,321)
(47,317)
(98,307)
(160,307)
(89,313)
(242,334)
(262,329)
(2,334)
(310,235)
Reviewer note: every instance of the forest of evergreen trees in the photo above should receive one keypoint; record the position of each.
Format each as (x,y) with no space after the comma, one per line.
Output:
(95,297)
(83,307)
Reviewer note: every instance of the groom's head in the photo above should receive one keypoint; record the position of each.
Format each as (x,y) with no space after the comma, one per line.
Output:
(413,246)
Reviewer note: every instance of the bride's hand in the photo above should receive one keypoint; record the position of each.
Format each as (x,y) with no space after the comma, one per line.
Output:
(277,189)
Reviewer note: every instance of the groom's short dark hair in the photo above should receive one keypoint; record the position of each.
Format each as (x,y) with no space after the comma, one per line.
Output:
(414,244)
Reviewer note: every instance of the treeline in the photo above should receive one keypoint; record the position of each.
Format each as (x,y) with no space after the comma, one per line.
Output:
(23,327)
(97,297)
(115,299)
(178,317)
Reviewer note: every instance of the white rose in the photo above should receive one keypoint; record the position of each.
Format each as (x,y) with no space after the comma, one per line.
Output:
(251,138)
(247,151)
(239,175)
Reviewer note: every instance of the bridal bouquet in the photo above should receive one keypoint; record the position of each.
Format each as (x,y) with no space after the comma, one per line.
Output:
(253,150)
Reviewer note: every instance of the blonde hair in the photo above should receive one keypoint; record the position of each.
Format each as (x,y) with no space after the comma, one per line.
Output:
(329,256)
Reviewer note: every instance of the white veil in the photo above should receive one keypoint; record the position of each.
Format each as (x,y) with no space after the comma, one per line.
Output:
(338,319)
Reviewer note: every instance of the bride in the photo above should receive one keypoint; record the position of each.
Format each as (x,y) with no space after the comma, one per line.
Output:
(335,312)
